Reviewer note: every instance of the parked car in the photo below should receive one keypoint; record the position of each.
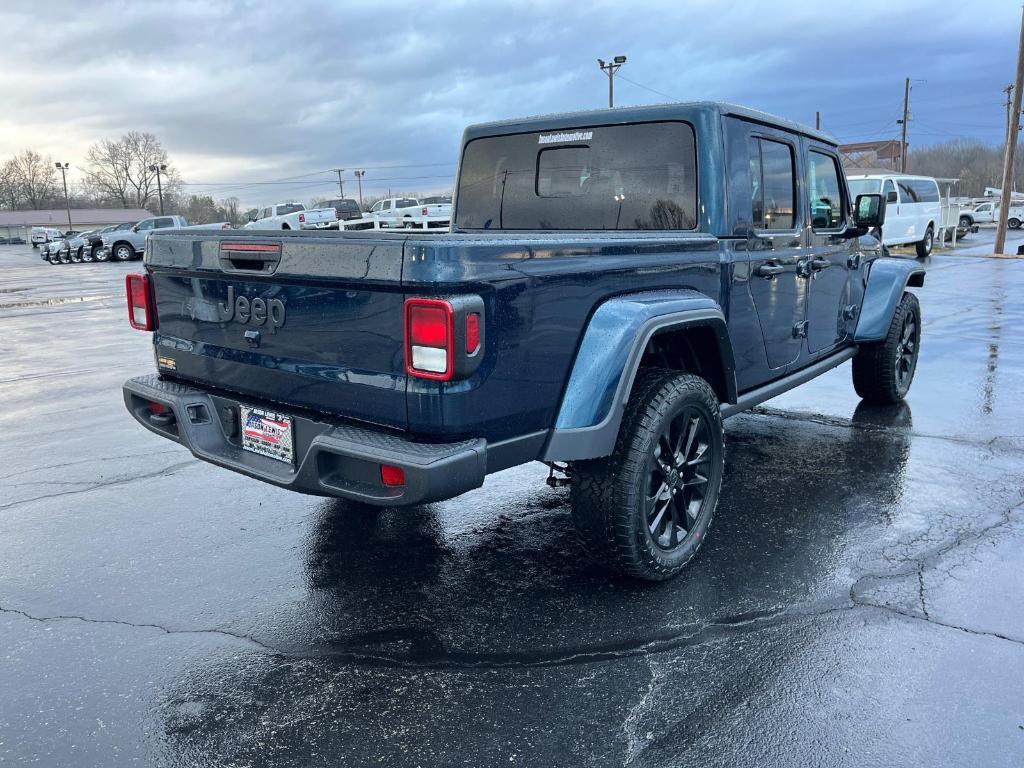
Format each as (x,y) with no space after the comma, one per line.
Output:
(392,208)
(398,368)
(913,209)
(987,213)
(94,247)
(293,216)
(345,208)
(77,246)
(51,251)
(40,235)
(130,243)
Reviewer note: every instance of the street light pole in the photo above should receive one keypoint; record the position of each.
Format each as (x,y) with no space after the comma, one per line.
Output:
(610,68)
(359,179)
(159,187)
(67,203)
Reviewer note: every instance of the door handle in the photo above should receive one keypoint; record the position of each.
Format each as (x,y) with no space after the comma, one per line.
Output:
(819,264)
(769,270)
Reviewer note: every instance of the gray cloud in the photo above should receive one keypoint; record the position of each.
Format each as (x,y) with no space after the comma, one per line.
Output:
(242,91)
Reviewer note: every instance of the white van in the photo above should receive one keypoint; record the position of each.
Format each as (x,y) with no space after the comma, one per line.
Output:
(912,211)
(42,235)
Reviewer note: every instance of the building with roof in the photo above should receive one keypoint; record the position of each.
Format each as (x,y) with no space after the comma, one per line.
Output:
(19,223)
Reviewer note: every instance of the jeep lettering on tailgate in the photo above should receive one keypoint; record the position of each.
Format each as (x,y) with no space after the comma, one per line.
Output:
(251,311)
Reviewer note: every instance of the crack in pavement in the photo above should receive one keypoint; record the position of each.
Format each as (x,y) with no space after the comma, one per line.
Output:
(92,460)
(106,484)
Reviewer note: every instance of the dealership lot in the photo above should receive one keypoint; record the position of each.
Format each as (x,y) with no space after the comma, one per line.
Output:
(860,599)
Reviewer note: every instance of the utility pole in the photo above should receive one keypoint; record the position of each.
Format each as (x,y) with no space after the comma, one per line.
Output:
(159,187)
(1011,146)
(903,122)
(359,179)
(817,120)
(67,203)
(1008,90)
(341,188)
(610,69)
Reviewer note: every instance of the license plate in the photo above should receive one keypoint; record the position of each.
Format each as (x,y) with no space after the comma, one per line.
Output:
(267,433)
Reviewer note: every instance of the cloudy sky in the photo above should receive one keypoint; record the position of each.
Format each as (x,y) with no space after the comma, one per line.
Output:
(247,92)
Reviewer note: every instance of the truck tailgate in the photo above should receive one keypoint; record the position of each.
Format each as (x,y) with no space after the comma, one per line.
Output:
(305,319)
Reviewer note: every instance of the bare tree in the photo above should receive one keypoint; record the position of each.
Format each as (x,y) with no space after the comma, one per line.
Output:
(10,196)
(108,168)
(120,169)
(34,178)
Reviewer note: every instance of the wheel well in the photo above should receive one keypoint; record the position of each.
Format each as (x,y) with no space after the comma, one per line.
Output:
(690,350)
(285,226)
(121,242)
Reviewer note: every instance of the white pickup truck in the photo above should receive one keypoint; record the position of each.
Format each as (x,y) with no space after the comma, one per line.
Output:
(986,213)
(390,211)
(293,216)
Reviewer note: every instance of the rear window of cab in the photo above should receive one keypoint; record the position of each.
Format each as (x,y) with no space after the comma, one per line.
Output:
(623,177)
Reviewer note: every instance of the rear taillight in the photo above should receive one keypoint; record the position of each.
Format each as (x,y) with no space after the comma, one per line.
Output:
(429,336)
(424,211)
(302,218)
(140,302)
(337,215)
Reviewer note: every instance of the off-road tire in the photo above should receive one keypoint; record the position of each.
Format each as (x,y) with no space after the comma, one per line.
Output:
(610,494)
(877,376)
(927,243)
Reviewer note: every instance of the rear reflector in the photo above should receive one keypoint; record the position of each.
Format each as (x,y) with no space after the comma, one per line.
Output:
(302,218)
(472,333)
(155,407)
(140,309)
(429,338)
(392,476)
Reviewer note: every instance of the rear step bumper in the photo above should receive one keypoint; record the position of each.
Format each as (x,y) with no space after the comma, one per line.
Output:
(330,459)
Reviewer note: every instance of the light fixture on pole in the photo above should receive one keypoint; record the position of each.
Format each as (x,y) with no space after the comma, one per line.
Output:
(63,168)
(359,178)
(610,68)
(159,188)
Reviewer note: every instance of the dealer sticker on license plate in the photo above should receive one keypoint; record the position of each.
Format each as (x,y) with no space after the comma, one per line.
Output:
(267,433)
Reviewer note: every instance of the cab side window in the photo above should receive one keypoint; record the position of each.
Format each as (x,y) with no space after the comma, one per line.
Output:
(827,208)
(772,184)
(889,190)
(164,223)
(146,225)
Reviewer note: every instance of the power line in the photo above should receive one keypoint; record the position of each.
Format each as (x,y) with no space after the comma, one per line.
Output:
(648,88)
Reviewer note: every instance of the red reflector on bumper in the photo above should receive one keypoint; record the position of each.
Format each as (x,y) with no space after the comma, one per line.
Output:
(392,476)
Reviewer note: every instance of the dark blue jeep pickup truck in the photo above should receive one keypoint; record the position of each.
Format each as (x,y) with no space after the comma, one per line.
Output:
(615,284)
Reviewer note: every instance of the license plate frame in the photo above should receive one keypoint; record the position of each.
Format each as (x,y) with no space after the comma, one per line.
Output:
(267,433)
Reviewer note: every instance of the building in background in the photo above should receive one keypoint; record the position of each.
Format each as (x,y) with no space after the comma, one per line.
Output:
(18,223)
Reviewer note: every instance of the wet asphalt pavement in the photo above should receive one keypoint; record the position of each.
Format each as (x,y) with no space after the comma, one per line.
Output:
(859,601)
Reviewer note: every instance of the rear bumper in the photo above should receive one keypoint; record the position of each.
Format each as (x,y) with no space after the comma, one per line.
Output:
(330,459)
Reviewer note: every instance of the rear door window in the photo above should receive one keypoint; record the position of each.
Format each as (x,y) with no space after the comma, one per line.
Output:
(627,177)
(772,184)
(827,206)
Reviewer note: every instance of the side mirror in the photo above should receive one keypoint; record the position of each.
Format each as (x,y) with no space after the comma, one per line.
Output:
(135,228)
(891,197)
(252,218)
(869,211)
